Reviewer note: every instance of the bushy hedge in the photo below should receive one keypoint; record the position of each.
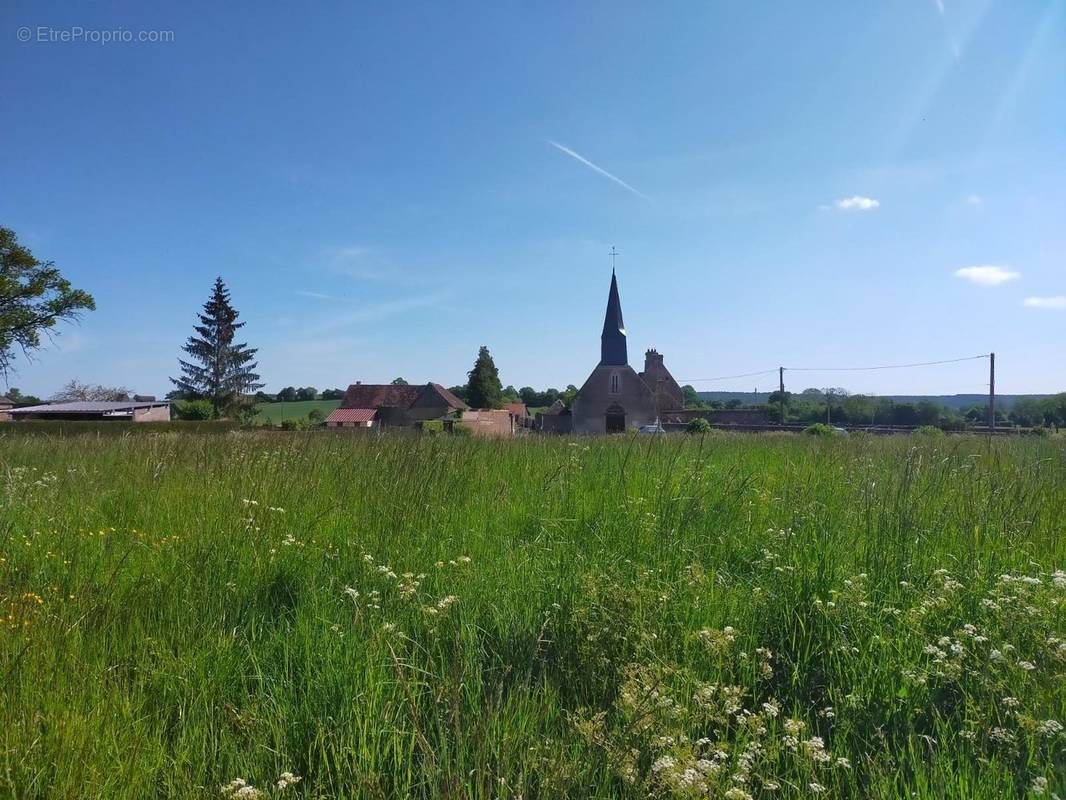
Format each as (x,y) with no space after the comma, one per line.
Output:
(199,410)
(819,429)
(928,430)
(698,425)
(64,427)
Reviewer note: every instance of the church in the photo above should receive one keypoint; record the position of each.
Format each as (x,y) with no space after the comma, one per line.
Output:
(617,398)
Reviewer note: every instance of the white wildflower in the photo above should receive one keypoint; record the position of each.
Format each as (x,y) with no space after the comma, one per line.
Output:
(1001,735)
(1050,727)
(287,779)
(663,762)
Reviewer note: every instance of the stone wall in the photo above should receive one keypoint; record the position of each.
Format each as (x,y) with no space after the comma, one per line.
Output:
(155,414)
(488,422)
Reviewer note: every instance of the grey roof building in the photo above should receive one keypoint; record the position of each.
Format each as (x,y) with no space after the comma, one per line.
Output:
(128,410)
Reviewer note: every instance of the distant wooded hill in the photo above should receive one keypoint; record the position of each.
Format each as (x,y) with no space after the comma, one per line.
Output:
(960,402)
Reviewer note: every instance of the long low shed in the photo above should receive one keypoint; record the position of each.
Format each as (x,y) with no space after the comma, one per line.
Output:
(123,410)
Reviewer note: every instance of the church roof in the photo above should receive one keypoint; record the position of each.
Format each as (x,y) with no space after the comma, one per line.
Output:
(613,339)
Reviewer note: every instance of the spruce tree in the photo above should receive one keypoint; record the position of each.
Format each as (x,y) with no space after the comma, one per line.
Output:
(219,371)
(483,389)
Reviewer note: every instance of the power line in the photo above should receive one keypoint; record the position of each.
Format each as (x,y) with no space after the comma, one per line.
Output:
(728,377)
(885,366)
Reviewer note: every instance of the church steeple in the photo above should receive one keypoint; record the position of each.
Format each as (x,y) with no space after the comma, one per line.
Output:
(613,339)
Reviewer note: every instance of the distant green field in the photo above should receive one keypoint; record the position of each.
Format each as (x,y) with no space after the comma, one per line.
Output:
(276,412)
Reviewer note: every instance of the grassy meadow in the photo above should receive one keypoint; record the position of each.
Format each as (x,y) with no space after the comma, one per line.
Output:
(311,615)
(276,413)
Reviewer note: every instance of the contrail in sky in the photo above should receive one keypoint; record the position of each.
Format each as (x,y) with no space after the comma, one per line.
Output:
(601,170)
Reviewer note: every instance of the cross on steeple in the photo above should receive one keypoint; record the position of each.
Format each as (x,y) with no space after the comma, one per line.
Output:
(613,254)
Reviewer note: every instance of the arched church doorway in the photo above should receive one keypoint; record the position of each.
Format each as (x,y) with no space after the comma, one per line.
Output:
(615,419)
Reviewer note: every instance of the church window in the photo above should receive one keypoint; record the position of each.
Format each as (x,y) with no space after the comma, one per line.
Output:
(616,383)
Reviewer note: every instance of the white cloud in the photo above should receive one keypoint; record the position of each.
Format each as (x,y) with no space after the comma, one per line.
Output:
(975,200)
(315,295)
(857,203)
(580,158)
(988,275)
(1045,302)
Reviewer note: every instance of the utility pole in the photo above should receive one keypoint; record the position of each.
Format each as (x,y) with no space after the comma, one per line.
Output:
(991,392)
(828,405)
(781,389)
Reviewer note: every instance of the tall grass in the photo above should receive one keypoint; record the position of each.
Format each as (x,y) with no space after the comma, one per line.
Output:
(432,617)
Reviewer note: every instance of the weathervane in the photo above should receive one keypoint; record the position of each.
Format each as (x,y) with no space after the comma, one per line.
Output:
(613,254)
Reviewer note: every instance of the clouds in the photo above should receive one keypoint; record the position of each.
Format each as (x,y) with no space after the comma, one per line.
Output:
(988,275)
(581,159)
(992,275)
(857,203)
(1056,302)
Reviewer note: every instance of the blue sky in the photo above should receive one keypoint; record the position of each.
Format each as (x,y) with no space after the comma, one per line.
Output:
(387,186)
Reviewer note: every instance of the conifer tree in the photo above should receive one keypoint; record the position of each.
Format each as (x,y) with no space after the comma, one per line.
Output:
(219,371)
(483,388)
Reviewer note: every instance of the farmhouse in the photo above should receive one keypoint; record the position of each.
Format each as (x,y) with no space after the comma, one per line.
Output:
(367,405)
(120,411)
(615,396)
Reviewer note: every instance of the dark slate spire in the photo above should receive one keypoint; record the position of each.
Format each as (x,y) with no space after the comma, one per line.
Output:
(613,339)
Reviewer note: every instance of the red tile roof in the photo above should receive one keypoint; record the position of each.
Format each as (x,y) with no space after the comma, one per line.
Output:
(518,409)
(352,415)
(434,394)
(379,395)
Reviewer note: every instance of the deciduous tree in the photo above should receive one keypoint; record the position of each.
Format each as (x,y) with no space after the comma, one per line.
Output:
(34,296)
(75,391)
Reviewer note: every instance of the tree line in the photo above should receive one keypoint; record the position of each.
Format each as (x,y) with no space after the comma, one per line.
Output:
(838,406)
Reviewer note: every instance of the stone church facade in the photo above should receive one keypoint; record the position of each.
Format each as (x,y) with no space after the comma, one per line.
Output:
(615,397)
